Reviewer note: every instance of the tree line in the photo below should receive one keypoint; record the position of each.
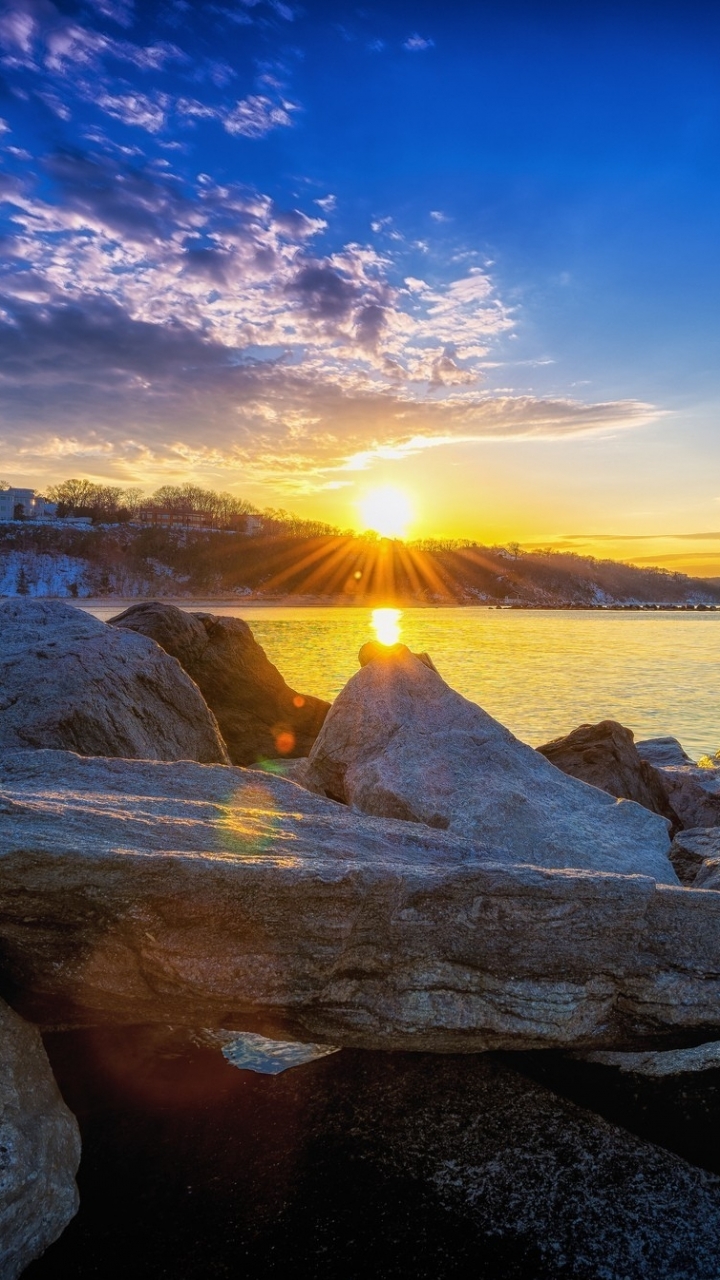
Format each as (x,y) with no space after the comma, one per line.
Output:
(112,504)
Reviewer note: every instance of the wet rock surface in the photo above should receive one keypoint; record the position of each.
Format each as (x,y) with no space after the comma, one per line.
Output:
(399,742)
(361,1164)
(39,1149)
(260,716)
(605,756)
(139,890)
(69,681)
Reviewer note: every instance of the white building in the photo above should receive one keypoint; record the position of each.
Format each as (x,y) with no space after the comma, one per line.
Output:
(24,504)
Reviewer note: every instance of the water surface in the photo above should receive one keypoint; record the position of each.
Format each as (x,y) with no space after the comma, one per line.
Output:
(540,672)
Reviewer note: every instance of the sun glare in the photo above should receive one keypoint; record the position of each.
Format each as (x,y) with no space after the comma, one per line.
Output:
(386,625)
(387,511)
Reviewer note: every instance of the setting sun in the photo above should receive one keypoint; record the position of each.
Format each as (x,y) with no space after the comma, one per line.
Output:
(387,511)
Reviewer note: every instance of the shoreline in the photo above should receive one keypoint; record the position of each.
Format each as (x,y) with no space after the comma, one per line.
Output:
(342,602)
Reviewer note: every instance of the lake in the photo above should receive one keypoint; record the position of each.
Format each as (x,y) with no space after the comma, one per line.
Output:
(540,672)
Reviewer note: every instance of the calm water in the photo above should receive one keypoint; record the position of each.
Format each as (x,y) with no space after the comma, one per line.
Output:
(540,673)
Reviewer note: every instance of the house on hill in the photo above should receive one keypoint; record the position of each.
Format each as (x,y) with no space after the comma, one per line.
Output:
(25,504)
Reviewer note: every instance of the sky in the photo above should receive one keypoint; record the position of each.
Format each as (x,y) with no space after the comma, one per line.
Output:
(301,252)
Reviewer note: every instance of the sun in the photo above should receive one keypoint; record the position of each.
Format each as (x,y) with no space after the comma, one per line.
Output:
(387,511)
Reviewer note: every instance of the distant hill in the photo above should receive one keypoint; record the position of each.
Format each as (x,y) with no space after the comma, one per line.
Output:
(132,561)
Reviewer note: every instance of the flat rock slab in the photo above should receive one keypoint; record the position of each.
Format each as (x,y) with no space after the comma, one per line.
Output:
(671,1062)
(398,742)
(39,1149)
(70,681)
(138,891)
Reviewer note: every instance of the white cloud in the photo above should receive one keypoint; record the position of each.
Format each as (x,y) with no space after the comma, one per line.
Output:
(416,43)
(136,109)
(256,115)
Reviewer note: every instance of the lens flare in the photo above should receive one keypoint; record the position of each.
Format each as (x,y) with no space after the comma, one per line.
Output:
(386,625)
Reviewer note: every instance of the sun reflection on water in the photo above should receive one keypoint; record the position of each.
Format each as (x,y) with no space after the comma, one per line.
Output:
(386,625)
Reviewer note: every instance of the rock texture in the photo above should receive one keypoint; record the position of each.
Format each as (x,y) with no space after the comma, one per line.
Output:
(398,742)
(552,1189)
(137,891)
(692,790)
(39,1149)
(662,752)
(605,755)
(660,1064)
(69,681)
(260,716)
(691,850)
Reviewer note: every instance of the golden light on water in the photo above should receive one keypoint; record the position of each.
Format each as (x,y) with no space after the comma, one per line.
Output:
(387,511)
(386,625)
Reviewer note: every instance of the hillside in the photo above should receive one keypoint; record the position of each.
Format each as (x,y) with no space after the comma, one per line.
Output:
(130,561)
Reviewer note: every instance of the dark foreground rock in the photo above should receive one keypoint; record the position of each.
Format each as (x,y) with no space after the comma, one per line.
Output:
(260,716)
(39,1149)
(410,1167)
(605,755)
(68,680)
(398,742)
(142,891)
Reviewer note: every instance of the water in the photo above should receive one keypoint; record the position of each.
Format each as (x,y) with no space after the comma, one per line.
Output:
(541,673)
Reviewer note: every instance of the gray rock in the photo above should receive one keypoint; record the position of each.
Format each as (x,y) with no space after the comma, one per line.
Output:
(690,850)
(138,891)
(694,792)
(662,752)
(605,755)
(68,680)
(661,1063)
(708,877)
(260,716)
(562,1192)
(39,1149)
(398,742)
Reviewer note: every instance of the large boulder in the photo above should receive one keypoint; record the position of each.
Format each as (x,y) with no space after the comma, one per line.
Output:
(260,716)
(605,755)
(138,891)
(69,681)
(39,1149)
(398,742)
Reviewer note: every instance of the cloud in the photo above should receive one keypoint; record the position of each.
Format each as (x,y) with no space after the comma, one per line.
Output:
(73,60)
(416,43)
(120,11)
(136,307)
(83,376)
(136,109)
(256,115)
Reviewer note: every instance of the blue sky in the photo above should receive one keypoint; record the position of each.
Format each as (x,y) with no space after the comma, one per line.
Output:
(300,251)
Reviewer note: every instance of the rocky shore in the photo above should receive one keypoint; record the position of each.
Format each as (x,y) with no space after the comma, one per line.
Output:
(192,853)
